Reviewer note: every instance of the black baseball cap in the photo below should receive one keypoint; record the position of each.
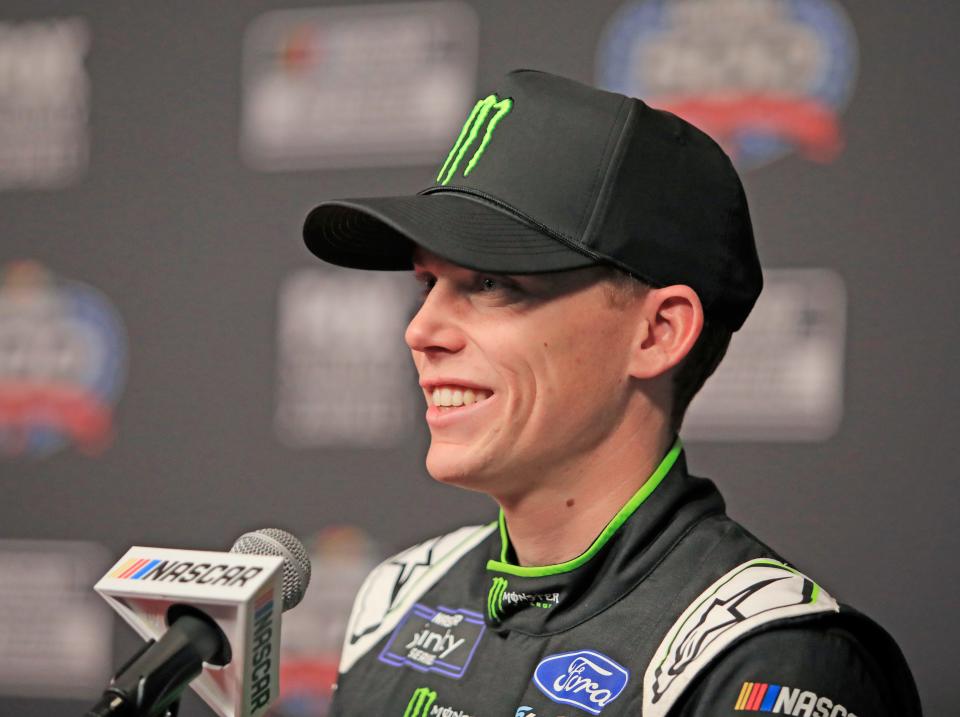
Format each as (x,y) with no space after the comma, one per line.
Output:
(549,174)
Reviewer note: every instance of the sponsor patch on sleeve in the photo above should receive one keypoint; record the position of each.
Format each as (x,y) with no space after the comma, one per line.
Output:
(784,700)
(752,594)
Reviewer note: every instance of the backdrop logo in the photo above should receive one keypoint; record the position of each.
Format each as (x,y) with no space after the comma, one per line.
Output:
(342,378)
(584,679)
(46,597)
(362,85)
(62,363)
(44,102)
(762,77)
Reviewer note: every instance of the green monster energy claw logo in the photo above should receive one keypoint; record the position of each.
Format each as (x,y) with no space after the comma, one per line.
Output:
(421,702)
(495,597)
(488,107)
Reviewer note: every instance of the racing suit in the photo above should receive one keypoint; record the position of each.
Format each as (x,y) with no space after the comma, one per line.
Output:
(674,610)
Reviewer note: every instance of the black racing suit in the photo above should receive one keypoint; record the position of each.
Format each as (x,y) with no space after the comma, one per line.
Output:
(674,610)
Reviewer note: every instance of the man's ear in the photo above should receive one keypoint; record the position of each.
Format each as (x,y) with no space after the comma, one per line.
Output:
(672,318)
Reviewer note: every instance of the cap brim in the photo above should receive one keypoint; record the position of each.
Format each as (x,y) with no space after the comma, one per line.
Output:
(380,233)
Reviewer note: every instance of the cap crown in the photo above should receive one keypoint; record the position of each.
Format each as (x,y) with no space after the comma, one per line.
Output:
(614,179)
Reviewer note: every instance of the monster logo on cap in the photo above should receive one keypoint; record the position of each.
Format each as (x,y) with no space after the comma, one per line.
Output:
(468,135)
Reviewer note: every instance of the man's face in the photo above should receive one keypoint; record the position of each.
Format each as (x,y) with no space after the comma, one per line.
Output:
(539,363)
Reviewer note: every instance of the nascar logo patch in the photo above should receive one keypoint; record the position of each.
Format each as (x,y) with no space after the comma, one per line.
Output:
(780,699)
(754,593)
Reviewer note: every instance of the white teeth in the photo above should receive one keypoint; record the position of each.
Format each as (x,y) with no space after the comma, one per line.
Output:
(448,396)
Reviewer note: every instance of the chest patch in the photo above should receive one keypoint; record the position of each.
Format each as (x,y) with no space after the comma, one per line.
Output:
(438,640)
(584,679)
(391,590)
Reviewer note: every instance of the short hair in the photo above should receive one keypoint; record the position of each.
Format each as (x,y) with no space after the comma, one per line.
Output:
(697,366)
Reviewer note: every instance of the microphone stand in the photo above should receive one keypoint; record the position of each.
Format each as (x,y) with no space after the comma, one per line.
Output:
(151,682)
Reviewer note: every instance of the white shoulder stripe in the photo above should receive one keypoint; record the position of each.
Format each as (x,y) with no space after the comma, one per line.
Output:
(394,585)
(752,594)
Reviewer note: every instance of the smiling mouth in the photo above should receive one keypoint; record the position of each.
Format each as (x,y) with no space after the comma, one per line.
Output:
(450,397)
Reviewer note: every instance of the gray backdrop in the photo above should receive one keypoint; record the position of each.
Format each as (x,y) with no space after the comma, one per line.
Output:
(191,245)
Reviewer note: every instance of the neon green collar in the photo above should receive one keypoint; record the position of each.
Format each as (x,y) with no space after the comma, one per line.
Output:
(502,566)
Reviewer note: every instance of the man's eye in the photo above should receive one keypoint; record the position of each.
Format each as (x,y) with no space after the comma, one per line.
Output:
(496,283)
(497,286)
(425,284)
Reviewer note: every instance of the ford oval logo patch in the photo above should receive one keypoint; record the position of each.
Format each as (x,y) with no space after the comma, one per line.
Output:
(584,679)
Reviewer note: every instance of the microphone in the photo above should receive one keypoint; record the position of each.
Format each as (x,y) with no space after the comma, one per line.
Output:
(209,619)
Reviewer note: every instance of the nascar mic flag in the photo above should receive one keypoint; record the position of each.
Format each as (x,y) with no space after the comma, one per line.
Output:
(240,592)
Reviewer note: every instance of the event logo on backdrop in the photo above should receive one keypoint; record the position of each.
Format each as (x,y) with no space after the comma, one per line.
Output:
(367,85)
(62,363)
(762,77)
(313,633)
(56,634)
(782,379)
(44,102)
(345,377)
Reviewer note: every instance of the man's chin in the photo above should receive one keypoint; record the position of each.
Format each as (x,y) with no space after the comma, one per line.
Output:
(456,470)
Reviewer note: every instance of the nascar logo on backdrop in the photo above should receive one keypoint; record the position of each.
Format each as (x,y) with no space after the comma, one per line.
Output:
(62,363)
(762,77)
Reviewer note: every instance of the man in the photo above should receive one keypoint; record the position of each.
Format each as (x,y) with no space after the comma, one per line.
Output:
(584,260)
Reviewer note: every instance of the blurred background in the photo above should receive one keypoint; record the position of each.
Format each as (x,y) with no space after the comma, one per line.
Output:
(176,369)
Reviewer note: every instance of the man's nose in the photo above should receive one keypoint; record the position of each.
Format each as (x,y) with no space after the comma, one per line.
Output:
(434,329)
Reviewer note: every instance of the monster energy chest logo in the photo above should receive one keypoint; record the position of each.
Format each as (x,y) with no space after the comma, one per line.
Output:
(499,598)
(423,704)
(495,597)
(487,112)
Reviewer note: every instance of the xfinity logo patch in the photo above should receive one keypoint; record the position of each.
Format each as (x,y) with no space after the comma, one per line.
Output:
(429,640)
(584,679)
